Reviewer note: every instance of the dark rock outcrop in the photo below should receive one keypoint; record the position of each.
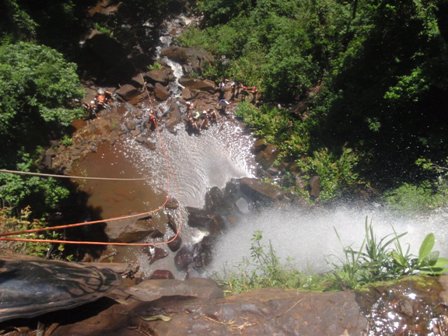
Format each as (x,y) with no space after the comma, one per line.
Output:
(192,59)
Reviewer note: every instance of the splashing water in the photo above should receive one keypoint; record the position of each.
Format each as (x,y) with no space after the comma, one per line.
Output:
(309,237)
(187,166)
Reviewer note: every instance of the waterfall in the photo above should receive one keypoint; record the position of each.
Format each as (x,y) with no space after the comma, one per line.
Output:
(187,166)
(310,239)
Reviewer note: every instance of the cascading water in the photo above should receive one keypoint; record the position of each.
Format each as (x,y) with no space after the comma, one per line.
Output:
(310,239)
(187,166)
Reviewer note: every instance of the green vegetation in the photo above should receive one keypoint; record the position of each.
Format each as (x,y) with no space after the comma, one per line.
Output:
(264,269)
(40,95)
(39,92)
(23,221)
(352,78)
(376,261)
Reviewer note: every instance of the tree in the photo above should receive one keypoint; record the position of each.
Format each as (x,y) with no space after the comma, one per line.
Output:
(39,97)
(36,84)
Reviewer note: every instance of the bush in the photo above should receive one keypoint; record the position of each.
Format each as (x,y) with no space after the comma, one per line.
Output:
(337,174)
(36,83)
(410,198)
(377,260)
(9,222)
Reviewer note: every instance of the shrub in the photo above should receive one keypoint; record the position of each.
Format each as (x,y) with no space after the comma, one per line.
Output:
(337,174)
(9,222)
(410,198)
(36,83)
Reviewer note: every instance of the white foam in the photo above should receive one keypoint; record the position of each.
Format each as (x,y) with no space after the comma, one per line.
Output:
(309,238)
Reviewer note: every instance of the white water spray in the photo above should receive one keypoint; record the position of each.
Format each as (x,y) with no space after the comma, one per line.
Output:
(309,237)
(187,166)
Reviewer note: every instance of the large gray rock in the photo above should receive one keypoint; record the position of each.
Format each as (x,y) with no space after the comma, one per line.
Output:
(132,230)
(174,117)
(127,91)
(193,59)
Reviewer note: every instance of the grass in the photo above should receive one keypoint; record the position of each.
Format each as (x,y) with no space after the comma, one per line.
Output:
(377,260)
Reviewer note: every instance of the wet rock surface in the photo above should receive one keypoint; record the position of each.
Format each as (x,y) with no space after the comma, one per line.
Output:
(197,307)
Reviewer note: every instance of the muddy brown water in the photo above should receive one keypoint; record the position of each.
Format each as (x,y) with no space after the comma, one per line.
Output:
(115,198)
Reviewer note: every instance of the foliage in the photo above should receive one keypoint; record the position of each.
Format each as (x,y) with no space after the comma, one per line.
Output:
(44,194)
(337,174)
(37,82)
(376,260)
(66,140)
(385,259)
(104,30)
(16,21)
(8,222)
(39,93)
(411,198)
(383,86)
(155,66)
(264,269)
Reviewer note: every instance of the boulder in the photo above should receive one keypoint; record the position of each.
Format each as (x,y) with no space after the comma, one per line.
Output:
(161,92)
(175,244)
(187,94)
(162,76)
(258,191)
(267,156)
(203,220)
(259,146)
(155,253)
(131,230)
(138,81)
(174,117)
(183,258)
(127,91)
(198,84)
(192,59)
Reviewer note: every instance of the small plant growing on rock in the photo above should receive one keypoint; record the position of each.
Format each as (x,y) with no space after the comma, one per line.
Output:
(385,259)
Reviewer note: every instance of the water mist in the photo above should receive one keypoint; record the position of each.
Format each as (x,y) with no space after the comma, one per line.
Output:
(310,239)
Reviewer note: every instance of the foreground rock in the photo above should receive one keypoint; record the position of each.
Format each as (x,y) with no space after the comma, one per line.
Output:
(195,307)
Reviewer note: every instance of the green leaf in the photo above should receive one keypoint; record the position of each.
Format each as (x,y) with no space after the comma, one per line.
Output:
(426,247)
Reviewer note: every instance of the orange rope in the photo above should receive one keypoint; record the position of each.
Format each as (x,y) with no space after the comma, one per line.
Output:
(4,236)
(66,226)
